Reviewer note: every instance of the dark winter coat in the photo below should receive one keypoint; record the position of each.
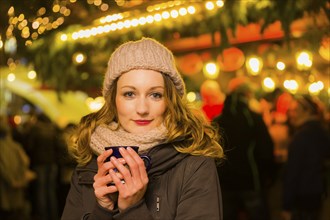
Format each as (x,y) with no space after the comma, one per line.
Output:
(304,181)
(181,186)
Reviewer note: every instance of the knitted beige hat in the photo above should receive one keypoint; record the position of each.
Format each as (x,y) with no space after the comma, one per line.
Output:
(146,53)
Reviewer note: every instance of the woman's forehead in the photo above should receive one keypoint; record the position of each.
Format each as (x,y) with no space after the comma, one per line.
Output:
(141,77)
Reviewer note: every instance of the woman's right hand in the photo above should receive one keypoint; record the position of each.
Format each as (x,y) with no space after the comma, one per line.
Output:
(102,188)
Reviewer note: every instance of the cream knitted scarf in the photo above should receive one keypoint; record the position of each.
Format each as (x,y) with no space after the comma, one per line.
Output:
(109,135)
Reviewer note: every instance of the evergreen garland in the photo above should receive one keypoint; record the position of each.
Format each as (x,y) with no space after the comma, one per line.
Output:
(53,63)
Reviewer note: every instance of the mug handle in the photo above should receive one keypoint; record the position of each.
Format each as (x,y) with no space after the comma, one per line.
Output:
(147,161)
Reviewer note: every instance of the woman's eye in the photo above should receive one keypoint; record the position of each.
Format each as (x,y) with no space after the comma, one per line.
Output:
(128,94)
(157,95)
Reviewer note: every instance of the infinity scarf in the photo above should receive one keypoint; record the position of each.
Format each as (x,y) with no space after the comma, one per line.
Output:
(109,135)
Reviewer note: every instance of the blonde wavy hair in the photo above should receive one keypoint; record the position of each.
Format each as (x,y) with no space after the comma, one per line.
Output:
(181,119)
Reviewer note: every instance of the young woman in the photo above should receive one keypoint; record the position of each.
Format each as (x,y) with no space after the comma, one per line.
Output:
(145,106)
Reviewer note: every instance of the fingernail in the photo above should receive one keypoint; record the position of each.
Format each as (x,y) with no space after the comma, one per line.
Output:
(114,159)
(122,160)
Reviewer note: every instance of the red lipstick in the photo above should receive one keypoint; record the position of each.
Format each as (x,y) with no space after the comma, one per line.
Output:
(142,122)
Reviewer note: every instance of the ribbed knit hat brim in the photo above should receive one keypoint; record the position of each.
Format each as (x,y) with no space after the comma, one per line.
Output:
(147,54)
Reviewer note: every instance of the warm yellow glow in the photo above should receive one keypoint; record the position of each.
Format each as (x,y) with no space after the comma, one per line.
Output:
(191,10)
(75,36)
(25,32)
(209,5)
(41,11)
(21,17)
(191,96)
(268,84)
(11,77)
(67,12)
(54,25)
(135,22)
(64,37)
(111,18)
(254,65)
(35,24)
(183,11)
(45,20)
(120,25)
(324,50)
(157,17)
(142,21)
(152,8)
(127,23)
(291,85)
(97,2)
(49,26)
(22,24)
(79,58)
(28,43)
(162,14)
(12,67)
(60,20)
(56,8)
(104,7)
(280,65)
(17,119)
(165,15)
(316,87)
(150,19)
(41,29)
(1,43)
(63,10)
(174,13)
(34,35)
(164,5)
(95,104)
(32,74)
(220,3)
(11,11)
(304,60)
(211,70)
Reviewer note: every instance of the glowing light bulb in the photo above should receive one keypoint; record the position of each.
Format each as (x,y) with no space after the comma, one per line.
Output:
(211,70)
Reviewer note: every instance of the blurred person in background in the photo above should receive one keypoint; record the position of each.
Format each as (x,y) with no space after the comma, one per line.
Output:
(43,147)
(309,147)
(249,168)
(66,165)
(275,106)
(278,126)
(15,176)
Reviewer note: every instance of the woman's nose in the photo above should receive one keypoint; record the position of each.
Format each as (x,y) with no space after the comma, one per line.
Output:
(142,106)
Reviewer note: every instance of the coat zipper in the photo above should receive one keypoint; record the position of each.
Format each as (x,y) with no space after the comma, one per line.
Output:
(157,204)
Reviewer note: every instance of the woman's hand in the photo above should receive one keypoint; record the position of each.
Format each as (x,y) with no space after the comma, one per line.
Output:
(104,192)
(135,178)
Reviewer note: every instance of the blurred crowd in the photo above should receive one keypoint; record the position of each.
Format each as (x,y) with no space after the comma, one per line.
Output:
(277,164)
(35,168)
(277,149)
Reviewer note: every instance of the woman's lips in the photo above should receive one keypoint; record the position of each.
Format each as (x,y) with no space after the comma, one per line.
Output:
(142,122)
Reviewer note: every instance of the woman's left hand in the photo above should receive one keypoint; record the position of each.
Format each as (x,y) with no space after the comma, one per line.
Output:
(135,179)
